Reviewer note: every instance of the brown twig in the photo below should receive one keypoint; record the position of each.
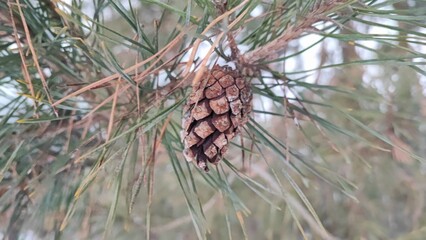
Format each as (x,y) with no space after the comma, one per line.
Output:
(267,52)
(218,38)
(34,56)
(235,52)
(23,60)
(159,55)
(114,105)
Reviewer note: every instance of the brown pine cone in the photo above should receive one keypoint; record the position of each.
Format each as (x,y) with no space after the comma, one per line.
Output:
(216,109)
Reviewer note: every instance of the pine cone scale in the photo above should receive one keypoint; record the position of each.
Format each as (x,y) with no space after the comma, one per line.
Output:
(232,93)
(226,81)
(219,105)
(214,90)
(202,110)
(204,128)
(221,122)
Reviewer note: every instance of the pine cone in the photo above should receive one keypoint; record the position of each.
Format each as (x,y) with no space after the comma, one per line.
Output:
(216,109)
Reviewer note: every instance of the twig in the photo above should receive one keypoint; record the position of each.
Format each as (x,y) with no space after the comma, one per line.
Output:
(21,54)
(235,52)
(266,52)
(114,105)
(159,55)
(218,38)
(35,58)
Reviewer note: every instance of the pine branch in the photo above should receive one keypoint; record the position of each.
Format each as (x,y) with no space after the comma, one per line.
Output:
(318,150)
(270,50)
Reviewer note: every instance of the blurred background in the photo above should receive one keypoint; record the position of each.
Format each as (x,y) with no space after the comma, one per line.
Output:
(91,96)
